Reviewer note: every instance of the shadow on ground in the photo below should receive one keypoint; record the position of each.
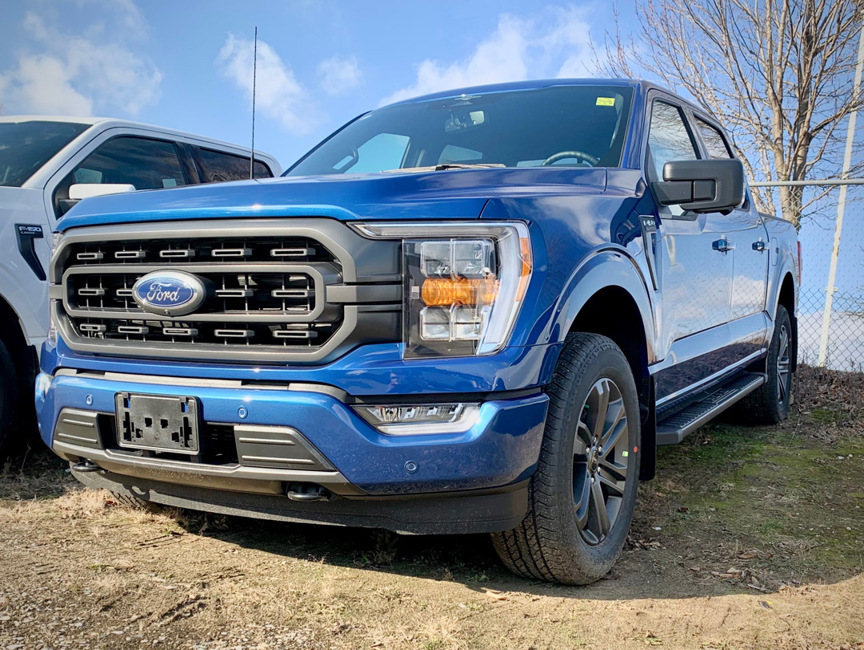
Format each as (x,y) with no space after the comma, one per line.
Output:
(733,510)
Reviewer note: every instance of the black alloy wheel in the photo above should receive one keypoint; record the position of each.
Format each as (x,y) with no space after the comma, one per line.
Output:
(601,458)
(784,364)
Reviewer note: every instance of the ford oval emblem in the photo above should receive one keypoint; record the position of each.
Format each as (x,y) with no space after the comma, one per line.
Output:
(172,293)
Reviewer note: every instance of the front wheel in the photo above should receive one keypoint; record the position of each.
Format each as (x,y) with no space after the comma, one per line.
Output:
(582,495)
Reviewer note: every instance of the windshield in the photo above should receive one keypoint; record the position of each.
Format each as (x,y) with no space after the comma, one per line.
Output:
(26,146)
(561,125)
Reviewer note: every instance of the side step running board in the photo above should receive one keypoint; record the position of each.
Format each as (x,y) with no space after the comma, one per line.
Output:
(672,429)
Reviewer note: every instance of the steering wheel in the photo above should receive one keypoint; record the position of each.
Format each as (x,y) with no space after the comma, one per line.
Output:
(579,155)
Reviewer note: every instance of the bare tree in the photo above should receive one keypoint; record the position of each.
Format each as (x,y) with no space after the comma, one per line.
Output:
(778,73)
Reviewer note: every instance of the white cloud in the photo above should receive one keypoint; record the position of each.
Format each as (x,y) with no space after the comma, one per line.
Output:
(75,74)
(553,43)
(339,75)
(41,85)
(278,93)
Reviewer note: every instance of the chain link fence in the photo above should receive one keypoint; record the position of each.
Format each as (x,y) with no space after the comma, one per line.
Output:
(845,349)
(831,333)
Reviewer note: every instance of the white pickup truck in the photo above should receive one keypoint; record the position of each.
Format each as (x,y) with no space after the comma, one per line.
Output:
(47,164)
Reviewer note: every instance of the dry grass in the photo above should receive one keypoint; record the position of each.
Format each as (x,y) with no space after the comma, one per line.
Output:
(830,399)
(749,538)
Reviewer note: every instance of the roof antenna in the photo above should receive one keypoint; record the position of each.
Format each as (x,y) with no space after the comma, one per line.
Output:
(254,79)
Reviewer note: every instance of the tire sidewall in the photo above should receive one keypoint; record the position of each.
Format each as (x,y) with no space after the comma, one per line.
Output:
(596,560)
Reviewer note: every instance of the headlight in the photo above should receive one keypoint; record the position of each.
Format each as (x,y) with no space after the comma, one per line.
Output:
(464,283)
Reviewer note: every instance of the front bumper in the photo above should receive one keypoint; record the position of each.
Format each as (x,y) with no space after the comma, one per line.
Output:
(432,483)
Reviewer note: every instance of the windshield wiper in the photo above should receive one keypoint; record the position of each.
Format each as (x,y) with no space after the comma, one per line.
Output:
(446,166)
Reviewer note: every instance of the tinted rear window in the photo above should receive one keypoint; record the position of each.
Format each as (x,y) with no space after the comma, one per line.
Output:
(218,166)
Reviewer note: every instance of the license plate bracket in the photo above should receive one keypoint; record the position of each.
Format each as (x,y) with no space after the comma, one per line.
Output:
(166,423)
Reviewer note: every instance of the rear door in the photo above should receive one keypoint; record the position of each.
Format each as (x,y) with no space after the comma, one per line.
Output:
(747,235)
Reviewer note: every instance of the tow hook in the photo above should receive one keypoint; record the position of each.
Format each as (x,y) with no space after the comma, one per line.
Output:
(85,465)
(306,492)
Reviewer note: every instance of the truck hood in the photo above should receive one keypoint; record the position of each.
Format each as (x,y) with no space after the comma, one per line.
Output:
(449,194)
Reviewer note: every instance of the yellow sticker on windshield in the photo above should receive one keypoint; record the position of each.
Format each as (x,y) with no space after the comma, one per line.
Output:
(605,101)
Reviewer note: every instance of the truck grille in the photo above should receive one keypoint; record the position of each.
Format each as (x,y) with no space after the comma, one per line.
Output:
(279,296)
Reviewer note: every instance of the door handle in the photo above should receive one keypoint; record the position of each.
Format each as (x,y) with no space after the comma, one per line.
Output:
(759,245)
(722,245)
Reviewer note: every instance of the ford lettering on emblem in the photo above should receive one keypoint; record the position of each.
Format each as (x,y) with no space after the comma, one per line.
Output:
(172,293)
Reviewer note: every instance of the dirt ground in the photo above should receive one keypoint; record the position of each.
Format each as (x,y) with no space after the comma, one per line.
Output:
(748,538)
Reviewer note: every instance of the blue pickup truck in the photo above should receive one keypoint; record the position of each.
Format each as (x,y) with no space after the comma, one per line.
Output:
(475,311)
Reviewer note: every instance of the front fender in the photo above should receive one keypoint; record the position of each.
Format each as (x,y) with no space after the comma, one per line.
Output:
(602,269)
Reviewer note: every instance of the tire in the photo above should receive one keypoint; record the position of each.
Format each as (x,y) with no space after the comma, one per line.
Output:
(565,537)
(9,396)
(769,404)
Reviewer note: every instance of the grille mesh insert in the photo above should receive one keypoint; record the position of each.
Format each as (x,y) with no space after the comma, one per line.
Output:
(261,291)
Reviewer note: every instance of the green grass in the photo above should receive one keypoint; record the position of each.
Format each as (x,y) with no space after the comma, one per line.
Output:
(773,489)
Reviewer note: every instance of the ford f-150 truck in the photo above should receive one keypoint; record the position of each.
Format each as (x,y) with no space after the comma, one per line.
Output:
(47,164)
(476,311)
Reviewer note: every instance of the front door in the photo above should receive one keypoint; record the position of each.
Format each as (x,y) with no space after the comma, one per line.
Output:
(696,267)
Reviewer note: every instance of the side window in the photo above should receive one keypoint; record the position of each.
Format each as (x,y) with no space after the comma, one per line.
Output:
(668,139)
(715,145)
(144,163)
(217,166)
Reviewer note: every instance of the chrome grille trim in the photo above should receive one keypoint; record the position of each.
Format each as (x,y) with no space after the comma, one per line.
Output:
(231,252)
(178,254)
(129,255)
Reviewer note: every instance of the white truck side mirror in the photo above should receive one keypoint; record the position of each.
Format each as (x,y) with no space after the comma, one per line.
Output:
(80,191)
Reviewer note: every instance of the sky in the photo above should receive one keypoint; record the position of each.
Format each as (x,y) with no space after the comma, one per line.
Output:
(188,66)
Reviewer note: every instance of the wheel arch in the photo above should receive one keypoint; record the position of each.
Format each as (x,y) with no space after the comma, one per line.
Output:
(609,296)
(13,336)
(786,298)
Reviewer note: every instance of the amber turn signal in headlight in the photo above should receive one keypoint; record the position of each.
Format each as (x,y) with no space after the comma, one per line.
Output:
(440,292)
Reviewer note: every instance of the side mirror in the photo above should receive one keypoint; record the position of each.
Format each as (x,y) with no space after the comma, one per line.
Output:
(80,191)
(711,185)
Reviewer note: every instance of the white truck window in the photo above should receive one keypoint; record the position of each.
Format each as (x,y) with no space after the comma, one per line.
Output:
(217,166)
(142,162)
(26,146)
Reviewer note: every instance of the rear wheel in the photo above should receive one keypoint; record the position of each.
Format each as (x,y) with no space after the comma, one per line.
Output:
(582,495)
(770,403)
